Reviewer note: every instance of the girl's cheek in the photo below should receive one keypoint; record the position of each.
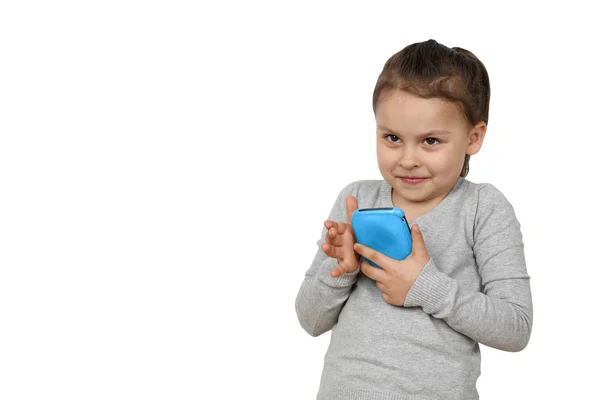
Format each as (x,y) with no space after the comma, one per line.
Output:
(440,163)
(385,157)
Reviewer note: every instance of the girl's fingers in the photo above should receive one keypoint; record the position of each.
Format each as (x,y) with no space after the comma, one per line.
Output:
(334,238)
(338,271)
(339,227)
(351,206)
(378,258)
(328,249)
(377,274)
(331,224)
(333,251)
(331,233)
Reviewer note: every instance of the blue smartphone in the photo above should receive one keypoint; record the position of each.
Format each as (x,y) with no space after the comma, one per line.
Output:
(383,229)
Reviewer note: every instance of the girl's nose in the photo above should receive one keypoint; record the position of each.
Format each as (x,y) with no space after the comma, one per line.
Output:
(408,160)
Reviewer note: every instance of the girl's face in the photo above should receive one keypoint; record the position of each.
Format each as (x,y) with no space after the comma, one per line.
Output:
(421,147)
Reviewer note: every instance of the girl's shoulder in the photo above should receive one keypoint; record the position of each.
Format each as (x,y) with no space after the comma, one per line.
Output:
(484,192)
(485,201)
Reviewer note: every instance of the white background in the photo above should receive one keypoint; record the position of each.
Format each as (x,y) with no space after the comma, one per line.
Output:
(166,167)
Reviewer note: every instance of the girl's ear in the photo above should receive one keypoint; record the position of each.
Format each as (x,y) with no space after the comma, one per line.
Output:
(476,137)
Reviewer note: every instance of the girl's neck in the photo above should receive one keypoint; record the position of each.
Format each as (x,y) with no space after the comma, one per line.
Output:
(414,210)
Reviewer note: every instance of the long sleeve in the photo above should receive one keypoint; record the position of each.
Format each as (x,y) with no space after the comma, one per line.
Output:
(501,314)
(321,297)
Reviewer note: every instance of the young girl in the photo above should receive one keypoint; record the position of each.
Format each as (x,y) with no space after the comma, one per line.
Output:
(411,329)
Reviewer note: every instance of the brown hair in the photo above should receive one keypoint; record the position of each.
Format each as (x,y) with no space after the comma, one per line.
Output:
(430,69)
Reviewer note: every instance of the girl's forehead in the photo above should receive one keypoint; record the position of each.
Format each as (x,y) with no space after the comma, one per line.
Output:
(406,112)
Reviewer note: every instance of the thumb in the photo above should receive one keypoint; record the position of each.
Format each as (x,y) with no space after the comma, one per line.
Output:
(351,206)
(418,243)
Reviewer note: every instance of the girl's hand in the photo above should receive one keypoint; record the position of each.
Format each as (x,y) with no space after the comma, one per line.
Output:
(395,278)
(340,241)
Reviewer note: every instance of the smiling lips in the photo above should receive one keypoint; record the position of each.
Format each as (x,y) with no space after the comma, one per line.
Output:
(411,180)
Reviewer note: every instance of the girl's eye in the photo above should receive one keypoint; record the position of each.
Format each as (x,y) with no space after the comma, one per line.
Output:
(393,138)
(431,141)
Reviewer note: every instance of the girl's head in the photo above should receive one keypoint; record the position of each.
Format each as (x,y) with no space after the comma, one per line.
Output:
(431,105)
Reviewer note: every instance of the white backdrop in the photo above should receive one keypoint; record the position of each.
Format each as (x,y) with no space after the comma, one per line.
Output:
(166,167)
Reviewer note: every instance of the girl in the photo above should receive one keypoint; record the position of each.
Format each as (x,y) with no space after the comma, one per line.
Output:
(411,329)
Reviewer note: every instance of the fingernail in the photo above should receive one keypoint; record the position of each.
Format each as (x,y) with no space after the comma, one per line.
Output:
(356,246)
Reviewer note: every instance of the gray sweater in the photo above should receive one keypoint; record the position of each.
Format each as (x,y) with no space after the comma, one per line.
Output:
(475,289)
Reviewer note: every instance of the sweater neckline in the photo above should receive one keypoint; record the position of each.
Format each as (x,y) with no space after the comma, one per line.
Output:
(387,195)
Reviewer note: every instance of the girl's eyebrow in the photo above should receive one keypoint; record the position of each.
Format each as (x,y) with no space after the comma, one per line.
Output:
(437,132)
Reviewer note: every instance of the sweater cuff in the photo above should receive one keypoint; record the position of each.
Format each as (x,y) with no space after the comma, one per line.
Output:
(430,289)
(348,279)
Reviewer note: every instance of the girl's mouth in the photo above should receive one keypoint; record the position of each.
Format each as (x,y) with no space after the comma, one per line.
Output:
(411,181)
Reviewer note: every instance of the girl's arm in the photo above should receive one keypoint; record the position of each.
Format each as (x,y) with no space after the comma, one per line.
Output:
(322,297)
(501,315)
